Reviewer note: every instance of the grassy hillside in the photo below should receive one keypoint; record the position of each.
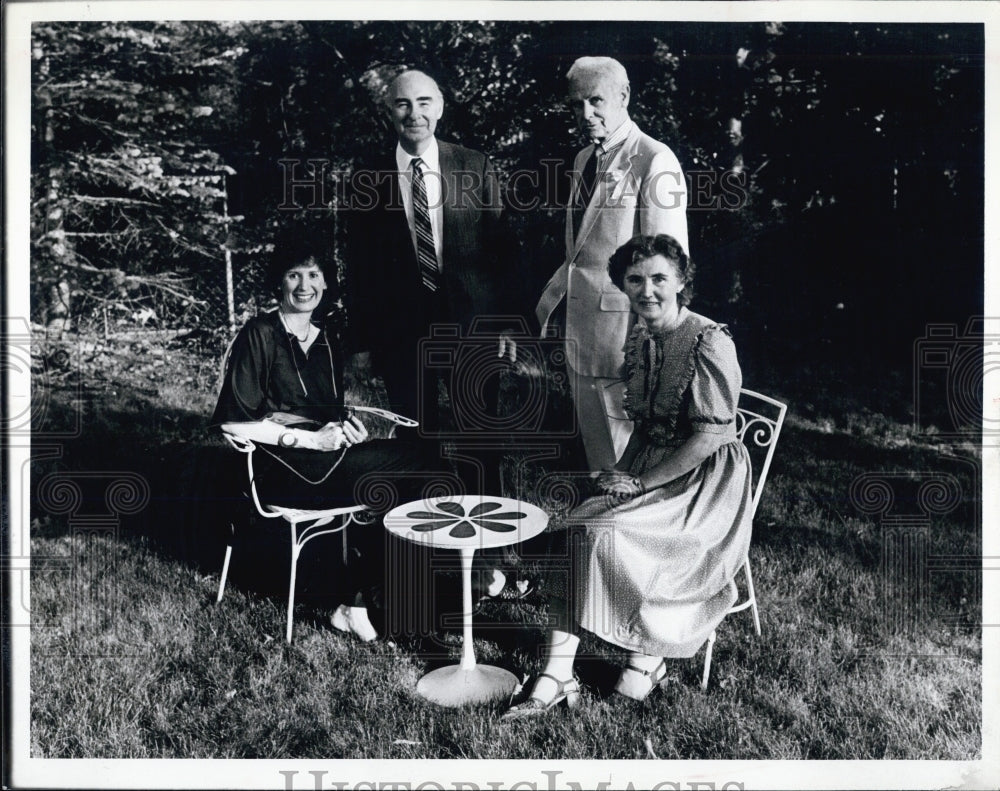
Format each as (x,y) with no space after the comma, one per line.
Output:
(870,645)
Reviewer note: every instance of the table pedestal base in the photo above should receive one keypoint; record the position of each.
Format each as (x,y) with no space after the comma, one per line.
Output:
(453,686)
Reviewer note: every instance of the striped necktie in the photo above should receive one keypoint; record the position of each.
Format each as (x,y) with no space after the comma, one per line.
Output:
(426,255)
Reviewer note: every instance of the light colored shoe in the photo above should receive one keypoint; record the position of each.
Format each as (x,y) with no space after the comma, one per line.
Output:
(339,619)
(654,676)
(355,621)
(568,691)
(514,591)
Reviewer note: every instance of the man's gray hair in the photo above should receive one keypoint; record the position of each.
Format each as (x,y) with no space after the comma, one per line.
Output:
(603,66)
(387,93)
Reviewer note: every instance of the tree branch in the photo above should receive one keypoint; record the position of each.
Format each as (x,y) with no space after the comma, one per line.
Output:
(109,199)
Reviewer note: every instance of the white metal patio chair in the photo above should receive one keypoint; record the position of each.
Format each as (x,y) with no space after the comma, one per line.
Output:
(304,525)
(758,424)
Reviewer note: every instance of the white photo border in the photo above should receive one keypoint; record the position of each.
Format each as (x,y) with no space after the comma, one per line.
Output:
(29,772)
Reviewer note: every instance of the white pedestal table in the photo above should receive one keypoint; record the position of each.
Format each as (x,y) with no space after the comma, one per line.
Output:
(466,523)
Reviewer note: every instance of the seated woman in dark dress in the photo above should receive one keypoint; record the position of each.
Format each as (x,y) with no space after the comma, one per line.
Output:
(286,362)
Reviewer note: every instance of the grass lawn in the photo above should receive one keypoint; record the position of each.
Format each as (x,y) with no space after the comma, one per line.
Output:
(870,645)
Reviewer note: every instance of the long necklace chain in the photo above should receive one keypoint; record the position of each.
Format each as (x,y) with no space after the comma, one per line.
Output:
(295,362)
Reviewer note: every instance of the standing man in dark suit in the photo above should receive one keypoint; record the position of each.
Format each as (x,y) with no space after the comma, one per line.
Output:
(427,248)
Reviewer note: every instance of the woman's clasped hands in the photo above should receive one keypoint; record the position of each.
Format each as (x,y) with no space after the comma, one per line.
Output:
(342,434)
(619,487)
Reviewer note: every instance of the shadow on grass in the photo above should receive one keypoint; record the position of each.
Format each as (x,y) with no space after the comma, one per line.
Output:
(812,495)
(195,482)
(195,486)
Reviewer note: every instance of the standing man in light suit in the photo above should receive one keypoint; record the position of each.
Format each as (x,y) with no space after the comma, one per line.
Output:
(624,183)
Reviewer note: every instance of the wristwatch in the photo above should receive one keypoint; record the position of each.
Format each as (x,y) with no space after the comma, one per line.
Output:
(287,439)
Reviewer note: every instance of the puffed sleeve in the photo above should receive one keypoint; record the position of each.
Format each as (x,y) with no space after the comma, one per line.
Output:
(715,387)
(244,385)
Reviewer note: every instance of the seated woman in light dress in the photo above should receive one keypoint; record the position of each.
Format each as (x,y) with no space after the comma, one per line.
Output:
(664,540)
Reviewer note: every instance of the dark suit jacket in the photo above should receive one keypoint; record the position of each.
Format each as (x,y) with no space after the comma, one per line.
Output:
(385,297)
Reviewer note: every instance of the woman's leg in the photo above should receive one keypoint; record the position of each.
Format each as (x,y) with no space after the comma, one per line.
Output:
(381,474)
(363,580)
(560,586)
(556,682)
(560,652)
(354,620)
(641,675)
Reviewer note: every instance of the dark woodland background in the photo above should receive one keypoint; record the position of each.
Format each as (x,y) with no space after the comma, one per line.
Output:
(855,152)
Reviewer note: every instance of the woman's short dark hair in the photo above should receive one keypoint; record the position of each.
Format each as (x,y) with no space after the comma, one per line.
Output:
(641,247)
(296,245)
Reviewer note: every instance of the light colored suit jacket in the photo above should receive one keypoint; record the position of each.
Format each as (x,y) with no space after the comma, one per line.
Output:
(642,191)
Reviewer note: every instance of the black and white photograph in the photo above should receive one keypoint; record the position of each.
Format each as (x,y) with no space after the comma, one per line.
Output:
(500,395)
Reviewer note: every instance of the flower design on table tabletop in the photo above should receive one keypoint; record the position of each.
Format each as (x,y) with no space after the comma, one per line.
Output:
(463,525)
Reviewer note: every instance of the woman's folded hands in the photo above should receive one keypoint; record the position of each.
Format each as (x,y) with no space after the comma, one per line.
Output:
(619,487)
(329,437)
(341,434)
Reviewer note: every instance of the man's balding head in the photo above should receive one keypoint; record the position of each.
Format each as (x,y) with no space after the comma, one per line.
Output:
(415,106)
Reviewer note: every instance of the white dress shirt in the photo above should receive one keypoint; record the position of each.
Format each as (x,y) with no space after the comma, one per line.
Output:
(432,182)
(606,149)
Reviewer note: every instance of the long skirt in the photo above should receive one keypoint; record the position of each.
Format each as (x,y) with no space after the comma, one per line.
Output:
(655,575)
